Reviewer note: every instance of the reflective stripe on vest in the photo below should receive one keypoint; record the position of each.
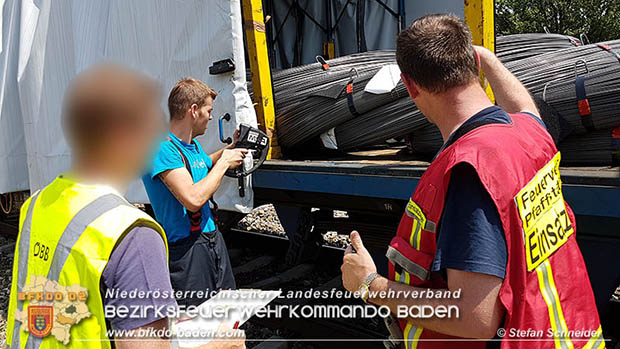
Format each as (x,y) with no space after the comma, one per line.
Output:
(412,335)
(69,237)
(419,222)
(24,245)
(550,294)
(409,266)
(596,342)
(79,225)
(403,277)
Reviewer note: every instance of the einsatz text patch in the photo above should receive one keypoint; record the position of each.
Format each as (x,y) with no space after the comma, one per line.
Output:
(546,224)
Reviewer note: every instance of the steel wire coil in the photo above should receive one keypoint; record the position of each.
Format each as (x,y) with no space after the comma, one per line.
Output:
(552,77)
(427,140)
(509,48)
(379,126)
(549,71)
(315,114)
(291,85)
(598,148)
(389,121)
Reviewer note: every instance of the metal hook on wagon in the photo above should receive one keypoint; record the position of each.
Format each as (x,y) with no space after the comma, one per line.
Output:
(544,94)
(585,64)
(584,39)
(322,62)
(351,76)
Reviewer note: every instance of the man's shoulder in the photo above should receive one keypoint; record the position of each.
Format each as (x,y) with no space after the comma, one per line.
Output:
(138,263)
(167,157)
(141,235)
(167,148)
(131,245)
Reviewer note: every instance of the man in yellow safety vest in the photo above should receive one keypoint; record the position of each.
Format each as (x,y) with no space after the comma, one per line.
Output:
(89,267)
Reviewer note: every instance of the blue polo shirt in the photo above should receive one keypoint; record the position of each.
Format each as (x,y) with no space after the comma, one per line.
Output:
(471,237)
(168,210)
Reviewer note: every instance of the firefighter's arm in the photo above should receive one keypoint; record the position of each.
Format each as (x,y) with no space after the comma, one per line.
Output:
(480,310)
(509,92)
(195,195)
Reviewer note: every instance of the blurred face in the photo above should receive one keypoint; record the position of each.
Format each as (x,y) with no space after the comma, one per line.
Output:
(202,116)
(112,120)
(133,144)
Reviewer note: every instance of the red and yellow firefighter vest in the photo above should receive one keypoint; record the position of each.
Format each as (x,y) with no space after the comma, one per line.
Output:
(546,287)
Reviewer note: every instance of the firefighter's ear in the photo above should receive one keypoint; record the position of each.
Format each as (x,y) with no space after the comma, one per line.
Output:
(410,85)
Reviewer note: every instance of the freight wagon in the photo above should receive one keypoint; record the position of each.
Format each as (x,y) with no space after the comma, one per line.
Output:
(371,187)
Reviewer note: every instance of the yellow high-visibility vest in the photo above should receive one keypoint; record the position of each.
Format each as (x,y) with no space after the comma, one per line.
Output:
(67,232)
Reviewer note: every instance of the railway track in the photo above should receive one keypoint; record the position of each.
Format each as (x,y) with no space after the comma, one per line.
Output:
(259,261)
(7,248)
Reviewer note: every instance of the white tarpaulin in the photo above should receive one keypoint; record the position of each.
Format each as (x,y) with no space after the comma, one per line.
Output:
(13,164)
(46,43)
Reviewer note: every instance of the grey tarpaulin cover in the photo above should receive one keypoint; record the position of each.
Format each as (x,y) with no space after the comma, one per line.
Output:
(46,43)
(299,38)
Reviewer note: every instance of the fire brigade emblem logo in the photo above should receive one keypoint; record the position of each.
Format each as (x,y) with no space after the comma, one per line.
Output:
(40,320)
(52,308)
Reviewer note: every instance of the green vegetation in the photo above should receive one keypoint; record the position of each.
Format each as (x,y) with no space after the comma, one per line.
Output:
(598,19)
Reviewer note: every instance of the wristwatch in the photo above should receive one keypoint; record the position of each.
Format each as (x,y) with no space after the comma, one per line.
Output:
(364,289)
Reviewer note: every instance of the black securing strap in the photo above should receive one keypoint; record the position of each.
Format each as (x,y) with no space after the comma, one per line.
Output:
(350,103)
(583,103)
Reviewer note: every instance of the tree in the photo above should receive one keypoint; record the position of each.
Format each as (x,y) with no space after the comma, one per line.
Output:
(598,19)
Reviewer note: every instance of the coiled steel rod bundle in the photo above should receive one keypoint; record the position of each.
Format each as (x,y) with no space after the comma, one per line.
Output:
(313,99)
(602,93)
(379,126)
(509,48)
(316,113)
(291,85)
(428,140)
(392,120)
(536,72)
(556,77)
(600,147)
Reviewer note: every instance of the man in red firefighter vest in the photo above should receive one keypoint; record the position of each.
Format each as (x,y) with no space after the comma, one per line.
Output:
(486,248)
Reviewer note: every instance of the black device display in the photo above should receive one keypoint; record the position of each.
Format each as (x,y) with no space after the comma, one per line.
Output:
(256,142)
(252,139)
